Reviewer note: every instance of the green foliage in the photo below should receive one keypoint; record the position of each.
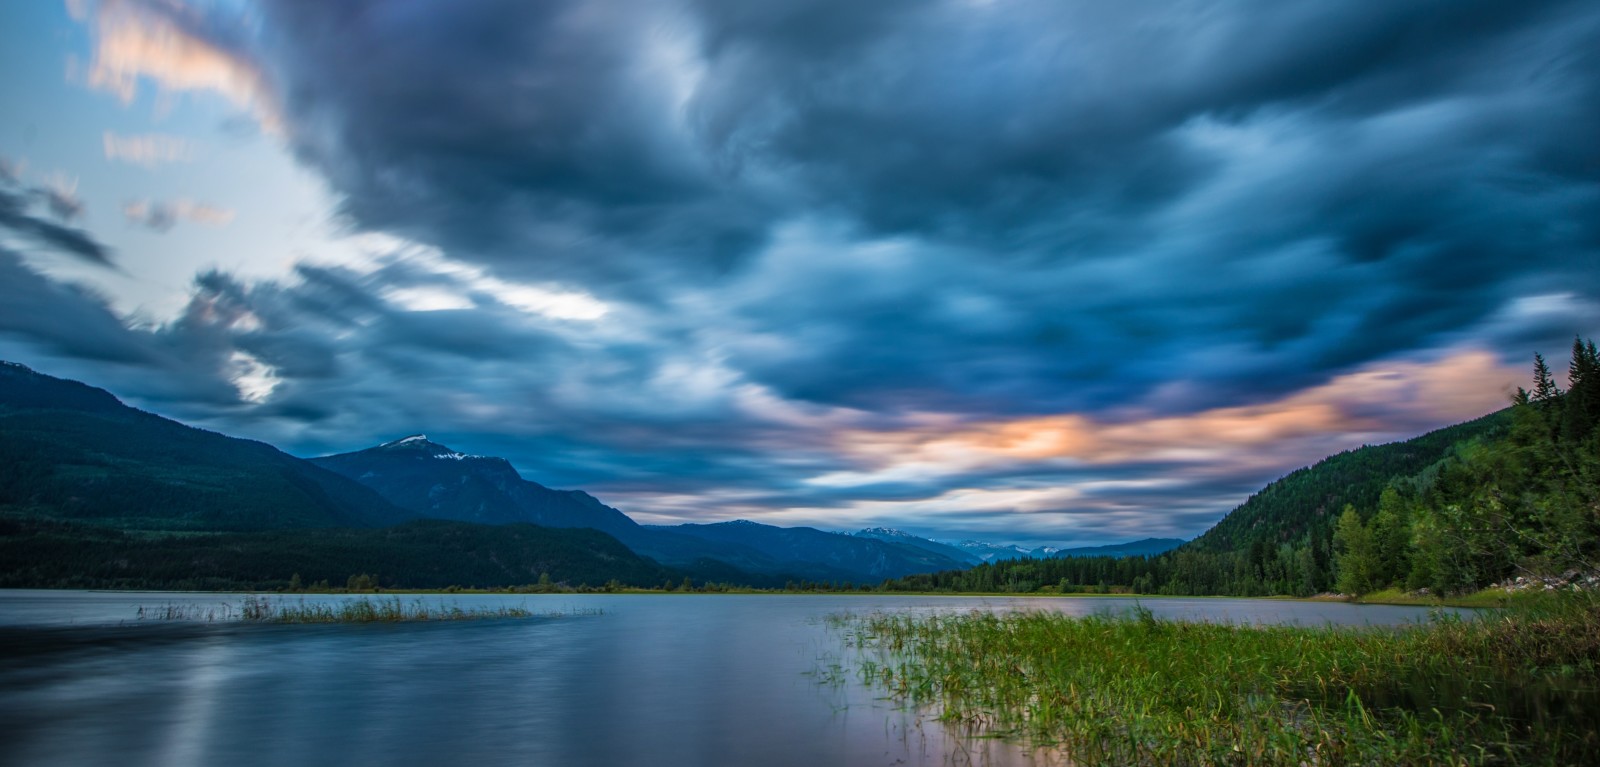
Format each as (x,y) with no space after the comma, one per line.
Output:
(1357,554)
(1451,511)
(1516,688)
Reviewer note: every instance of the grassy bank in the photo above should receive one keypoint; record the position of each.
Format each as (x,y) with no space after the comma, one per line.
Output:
(1517,687)
(1490,597)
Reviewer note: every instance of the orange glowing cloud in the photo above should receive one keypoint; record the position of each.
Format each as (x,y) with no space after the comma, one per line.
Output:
(134,40)
(1382,401)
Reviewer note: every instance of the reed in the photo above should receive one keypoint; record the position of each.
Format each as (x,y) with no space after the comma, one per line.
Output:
(1518,688)
(258,609)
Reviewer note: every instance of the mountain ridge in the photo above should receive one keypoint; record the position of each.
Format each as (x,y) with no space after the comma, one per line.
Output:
(77,452)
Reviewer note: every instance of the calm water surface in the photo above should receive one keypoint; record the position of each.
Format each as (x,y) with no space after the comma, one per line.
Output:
(647,680)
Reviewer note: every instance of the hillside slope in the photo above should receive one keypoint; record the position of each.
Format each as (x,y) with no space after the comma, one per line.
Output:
(71,451)
(1306,500)
(1279,541)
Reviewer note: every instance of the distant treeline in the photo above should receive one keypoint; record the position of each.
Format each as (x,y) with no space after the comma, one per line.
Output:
(1451,511)
(426,554)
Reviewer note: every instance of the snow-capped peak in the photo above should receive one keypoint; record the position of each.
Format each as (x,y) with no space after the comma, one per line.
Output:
(429,449)
(887,532)
(417,438)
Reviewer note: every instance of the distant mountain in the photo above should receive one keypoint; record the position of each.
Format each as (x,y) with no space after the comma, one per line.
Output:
(1141,548)
(900,536)
(74,454)
(434,481)
(821,555)
(437,482)
(994,552)
(71,451)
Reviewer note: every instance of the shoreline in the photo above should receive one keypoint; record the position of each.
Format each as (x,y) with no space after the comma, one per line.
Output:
(1483,599)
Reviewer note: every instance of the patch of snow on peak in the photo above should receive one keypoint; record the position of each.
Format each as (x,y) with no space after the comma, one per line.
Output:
(406,440)
(886,531)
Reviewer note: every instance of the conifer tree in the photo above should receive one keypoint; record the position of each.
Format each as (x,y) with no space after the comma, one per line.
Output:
(1544,385)
(1582,403)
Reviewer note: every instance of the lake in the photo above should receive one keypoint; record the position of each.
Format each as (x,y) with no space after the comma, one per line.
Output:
(616,680)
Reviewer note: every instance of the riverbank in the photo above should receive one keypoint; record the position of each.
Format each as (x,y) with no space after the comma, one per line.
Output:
(1519,686)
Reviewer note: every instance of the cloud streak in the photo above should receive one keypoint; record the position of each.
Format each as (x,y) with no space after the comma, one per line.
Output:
(161,216)
(60,199)
(149,150)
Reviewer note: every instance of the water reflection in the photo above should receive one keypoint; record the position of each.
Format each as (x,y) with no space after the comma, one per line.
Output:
(658,680)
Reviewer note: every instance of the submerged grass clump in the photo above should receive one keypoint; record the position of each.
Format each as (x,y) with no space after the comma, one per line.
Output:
(1514,689)
(255,609)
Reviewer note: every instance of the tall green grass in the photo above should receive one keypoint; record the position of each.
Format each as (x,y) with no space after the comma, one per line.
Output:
(1514,689)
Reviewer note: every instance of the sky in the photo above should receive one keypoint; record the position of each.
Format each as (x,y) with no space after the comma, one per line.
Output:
(1041,272)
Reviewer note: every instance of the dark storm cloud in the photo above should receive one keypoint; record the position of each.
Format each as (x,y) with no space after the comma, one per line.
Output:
(1096,200)
(15,216)
(806,218)
(539,128)
(65,319)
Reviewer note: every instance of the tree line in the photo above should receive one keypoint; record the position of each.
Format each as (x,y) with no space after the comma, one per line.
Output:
(1452,511)
(1528,503)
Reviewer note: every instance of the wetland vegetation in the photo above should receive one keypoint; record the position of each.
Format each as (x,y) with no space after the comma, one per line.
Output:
(1520,686)
(260,609)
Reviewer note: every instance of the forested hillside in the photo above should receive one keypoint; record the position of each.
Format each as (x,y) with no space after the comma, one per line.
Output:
(71,451)
(1517,491)
(1528,503)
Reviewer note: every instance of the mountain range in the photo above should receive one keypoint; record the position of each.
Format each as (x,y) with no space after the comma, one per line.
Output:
(95,493)
(978,552)
(93,468)
(434,481)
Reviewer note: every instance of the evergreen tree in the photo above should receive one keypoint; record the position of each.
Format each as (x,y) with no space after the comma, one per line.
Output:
(1390,533)
(1544,385)
(1581,407)
(1355,556)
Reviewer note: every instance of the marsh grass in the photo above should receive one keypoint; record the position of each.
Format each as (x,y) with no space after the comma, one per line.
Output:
(257,609)
(1518,688)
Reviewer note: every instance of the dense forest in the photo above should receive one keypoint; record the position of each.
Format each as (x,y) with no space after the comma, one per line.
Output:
(424,554)
(1515,492)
